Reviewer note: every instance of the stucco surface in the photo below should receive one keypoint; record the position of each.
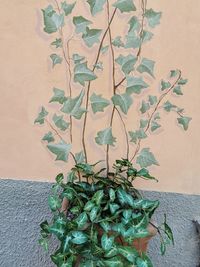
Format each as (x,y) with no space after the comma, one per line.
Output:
(24,206)
(27,80)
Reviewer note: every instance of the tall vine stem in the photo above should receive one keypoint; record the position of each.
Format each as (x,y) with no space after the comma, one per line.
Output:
(154,111)
(89,85)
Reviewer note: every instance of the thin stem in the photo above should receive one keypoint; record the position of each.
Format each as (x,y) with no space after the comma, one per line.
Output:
(66,56)
(89,85)
(126,133)
(113,81)
(154,111)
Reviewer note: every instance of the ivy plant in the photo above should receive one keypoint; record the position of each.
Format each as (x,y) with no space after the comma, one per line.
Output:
(103,212)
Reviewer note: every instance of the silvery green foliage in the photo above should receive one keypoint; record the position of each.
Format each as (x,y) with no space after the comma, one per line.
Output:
(101,201)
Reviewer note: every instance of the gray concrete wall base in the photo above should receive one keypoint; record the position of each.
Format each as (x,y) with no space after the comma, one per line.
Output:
(23,206)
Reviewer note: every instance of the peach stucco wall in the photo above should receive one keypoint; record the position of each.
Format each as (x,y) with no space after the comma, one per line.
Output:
(26,81)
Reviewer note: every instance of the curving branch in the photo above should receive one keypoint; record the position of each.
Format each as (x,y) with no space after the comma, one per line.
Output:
(89,84)
(154,111)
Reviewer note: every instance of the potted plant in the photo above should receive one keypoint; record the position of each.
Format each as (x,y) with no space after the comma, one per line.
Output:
(99,217)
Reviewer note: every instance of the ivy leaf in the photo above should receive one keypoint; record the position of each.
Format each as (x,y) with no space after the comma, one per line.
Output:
(145,106)
(61,150)
(152,99)
(99,66)
(140,134)
(59,96)
(54,203)
(48,137)
(127,63)
(98,103)
(165,85)
(57,43)
(80,157)
(182,81)
(147,36)
(60,123)
(146,158)
(96,6)
(184,121)
(124,101)
(79,237)
(134,24)
(146,65)
(177,90)
(153,18)
(52,21)
(91,36)
(157,116)
(41,116)
(77,58)
(132,40)
(105,137)
(173,73)
(56,59)
(125,5)
(135,85)
(145,174)
(104,49)
(143,123)
(82,74)
(81,23)
(67,8)
(118,42)
(73,106)
(168,106)
(154,126)
(107,242)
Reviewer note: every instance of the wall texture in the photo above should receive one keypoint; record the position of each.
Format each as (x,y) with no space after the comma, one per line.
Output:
(27,81)
(24,207)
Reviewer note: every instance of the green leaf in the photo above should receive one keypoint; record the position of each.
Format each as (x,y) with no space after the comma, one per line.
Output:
(67,8)
(132,40)
(98,103)
(89,205)
(153,18)
(134,24)
(79,237)
(124,198)
(52,21)
(112,252)
(126,62)
(182,81)
(184,122)
(60,123)
(125,5)
(48,137)
(145,174)
(77,58)
(80,157)
(44,243)
(96,6)
(124,101)
(118,42)
(165,85)
(65,248)
(114,262)
(105,225)
(177,90)
(57,43)
(98,196)
(135,85)
(168,232)
(143,123)
(59,178)
(144,107)
(146,158)
(93,213)
(99,66)
(113,208)
(162,248)
(139,134)
(152,99)
(61,150)
(146,65)
(104,49)
(107,242)
(59,96)
(81,220)
(157,116)
(56,59)
(129,253)
(105,137)
(73,106)
(41,116)
(144,261)
(168,106)
(81,24)
(147,36)
(82,74)
(173,73)
(155,126)
(91,36)
(112,194)
(54,203)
